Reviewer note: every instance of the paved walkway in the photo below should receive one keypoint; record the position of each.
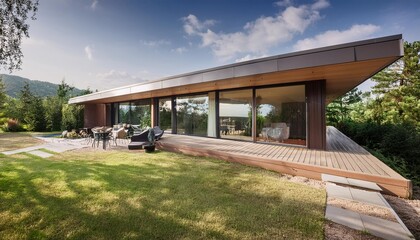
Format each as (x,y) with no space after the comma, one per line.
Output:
(366,193)
(57,145)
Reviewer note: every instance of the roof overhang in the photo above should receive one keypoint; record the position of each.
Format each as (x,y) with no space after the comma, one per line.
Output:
(343,67)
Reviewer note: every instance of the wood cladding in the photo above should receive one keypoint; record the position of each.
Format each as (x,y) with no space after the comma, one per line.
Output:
(315,99)
(94,115)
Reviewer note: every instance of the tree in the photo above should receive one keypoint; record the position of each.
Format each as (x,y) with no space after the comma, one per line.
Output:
(13,27)
(339,110)
(31,110)
(398,88)
(3,95)
(64,90)
(72,116)
(25,100)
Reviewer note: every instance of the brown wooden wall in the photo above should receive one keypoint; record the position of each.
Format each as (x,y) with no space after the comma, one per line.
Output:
(315,97)
(95,115)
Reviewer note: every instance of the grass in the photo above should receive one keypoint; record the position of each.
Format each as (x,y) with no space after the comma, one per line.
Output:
(11,141)
(131,195)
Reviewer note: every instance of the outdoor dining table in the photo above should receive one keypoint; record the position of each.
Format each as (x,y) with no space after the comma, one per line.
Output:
(102,136)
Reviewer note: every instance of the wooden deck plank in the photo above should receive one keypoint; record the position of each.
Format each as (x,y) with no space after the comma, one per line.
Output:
(344,158)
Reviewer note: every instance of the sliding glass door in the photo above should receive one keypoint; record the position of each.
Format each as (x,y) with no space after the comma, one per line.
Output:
(235,114)
(192,114)
(281,115)
(165,114)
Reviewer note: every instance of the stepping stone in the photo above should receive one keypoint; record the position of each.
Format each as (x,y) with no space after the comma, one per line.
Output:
(40,154)
(344,217)
(384,228)
(351,182)
(368,197)
(336,191)
(353,194)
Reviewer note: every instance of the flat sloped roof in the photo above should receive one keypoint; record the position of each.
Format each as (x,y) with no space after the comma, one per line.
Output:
(343,67)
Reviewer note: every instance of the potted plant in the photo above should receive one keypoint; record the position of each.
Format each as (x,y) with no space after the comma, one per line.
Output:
(150,146)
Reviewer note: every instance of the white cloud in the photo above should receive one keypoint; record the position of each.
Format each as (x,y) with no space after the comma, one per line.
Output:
(332,37)
(94,4)
(114,78)
(179,50)
(156,43)
(89,52)
(258,36)
(194,26)
(283,3)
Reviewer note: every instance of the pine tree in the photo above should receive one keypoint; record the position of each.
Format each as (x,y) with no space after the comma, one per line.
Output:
(398,88)
(339,110)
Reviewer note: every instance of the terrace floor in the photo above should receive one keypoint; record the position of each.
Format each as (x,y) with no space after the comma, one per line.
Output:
(343,158)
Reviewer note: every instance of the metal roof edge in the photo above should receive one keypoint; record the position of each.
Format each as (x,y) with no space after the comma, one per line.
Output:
(79,99)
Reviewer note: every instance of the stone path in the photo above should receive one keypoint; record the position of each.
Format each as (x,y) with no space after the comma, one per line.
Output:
(57,145)
(366,193)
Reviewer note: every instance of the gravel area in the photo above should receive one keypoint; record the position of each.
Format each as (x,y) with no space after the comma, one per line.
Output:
(362,208)
(408,210)
(334,231)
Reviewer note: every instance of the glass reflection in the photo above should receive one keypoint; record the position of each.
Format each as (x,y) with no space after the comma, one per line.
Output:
(165,114)
(192,115)
(281,115)
(235,114)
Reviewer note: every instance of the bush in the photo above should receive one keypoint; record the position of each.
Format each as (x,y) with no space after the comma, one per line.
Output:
(12,125)
(396,145)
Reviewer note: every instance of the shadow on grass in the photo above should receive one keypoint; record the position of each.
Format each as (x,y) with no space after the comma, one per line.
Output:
(125,195)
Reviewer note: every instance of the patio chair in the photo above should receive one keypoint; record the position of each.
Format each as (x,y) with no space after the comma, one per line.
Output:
(138,140)
(119,134)
(158,132)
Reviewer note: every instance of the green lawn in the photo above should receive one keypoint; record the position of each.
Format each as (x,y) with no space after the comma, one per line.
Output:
(131,195)
(11,141)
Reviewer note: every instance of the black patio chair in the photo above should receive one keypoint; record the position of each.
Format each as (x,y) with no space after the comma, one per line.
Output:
(138,140)
(158,133)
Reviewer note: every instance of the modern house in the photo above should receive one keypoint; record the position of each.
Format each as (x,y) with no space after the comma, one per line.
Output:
(278,99)
(266,105)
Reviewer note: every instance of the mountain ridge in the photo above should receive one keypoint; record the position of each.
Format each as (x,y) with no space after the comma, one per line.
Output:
(14,84)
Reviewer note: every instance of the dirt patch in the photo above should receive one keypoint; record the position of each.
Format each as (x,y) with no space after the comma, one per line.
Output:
(334,231)
(362,208)
(409,212)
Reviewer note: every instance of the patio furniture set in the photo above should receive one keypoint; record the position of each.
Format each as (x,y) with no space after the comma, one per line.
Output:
(138,138)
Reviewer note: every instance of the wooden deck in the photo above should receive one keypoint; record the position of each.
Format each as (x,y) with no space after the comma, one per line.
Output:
(343,158)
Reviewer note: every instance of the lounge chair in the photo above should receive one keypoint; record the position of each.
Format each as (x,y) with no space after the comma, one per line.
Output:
(158,132)
(138,140)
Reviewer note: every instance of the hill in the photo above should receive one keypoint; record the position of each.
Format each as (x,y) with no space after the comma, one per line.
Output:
(14,84)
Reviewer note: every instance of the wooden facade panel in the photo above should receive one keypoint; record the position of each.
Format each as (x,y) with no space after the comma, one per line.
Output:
(315,99)
(94,115)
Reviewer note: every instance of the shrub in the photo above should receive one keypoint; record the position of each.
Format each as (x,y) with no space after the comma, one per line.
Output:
(12,125)
(396,145)
(73,134)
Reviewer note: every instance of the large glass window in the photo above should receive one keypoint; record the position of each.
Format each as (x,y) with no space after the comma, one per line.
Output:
(281,115)
(192,115)
(141,114)
(165,114)
(235,114)
(136,113)
(124,113)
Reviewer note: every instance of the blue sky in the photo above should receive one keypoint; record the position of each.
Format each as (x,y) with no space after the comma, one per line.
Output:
(105,44)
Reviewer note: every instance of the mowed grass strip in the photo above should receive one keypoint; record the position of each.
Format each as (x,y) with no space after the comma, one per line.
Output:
(11,141)
(131,195)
